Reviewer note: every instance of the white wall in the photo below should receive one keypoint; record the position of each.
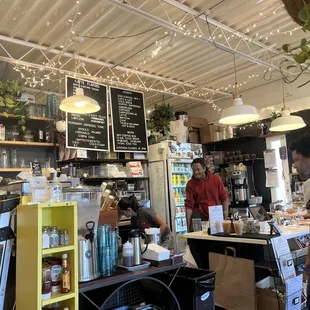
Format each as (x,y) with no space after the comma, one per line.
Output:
(264,97)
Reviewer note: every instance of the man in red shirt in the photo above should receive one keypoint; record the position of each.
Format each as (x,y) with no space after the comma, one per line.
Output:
(204,190)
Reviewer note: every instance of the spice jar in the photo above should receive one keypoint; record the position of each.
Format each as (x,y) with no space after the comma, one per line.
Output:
(45,239)
(54,238)
(64,238)
(28,136)
(46,281)
(12,133)
(55,273)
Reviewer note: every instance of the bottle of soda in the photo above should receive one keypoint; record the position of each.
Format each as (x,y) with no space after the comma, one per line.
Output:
(65,276)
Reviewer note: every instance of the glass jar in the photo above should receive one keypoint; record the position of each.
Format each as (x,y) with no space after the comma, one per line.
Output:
(28,136)
(14,158)
(64,238)
(4,159)
(12,133)
(54,238)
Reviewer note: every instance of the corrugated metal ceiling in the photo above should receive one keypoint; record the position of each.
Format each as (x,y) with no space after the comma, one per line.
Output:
(189,61)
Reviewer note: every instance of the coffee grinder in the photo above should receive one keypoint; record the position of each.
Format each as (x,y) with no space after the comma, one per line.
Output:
(238,192)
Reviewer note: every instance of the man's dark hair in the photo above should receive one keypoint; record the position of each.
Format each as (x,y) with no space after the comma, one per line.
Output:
(199,161)
(301,146)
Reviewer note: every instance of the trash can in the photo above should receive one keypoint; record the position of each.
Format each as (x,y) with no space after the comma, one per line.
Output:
(194,288)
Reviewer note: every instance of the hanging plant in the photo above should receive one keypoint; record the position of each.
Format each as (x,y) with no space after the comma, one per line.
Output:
(160,118)
(274,115)
(299,10)
(295,10)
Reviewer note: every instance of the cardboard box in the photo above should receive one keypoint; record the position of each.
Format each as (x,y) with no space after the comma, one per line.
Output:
(196,122)
(206,135)
(109,217)
(193,136)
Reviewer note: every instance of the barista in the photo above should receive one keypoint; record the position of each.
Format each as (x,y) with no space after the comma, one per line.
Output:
(142,217)
(204,190)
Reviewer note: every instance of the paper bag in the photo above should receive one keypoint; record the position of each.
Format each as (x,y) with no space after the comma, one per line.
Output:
(189,259)
(234,281)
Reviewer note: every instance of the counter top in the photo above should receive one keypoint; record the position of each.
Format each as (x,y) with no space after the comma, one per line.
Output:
(288,232)
(122,275)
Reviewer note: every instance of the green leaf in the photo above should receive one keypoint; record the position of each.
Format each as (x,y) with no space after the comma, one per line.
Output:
(303,42)
(286,48)
(5,114)
(8,100)
(300,58)
(23,128)
(304,13)
(305,48)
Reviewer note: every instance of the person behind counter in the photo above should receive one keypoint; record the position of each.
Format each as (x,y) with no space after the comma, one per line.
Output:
(203,190)
(143,217)
(301,156)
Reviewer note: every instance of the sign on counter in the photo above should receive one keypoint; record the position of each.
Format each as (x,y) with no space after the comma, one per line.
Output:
(128,120)
(88,131)
(216,219)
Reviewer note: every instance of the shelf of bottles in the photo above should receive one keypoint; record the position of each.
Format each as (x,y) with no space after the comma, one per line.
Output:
(181,174)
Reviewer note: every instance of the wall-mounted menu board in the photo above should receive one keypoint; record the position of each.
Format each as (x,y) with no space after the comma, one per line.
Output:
(88,131)
(128,120)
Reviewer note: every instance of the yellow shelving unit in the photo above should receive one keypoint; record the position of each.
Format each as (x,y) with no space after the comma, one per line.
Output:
(30,220)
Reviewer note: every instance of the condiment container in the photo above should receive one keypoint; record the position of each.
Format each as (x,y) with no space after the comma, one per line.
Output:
(54,238)
(127,254)
(45,239)
(55,274)
(46,281)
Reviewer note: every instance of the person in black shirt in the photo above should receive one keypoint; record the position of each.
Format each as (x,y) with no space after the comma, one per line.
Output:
(142,217)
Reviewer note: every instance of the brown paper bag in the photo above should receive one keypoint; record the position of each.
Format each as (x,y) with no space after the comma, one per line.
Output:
(234,281)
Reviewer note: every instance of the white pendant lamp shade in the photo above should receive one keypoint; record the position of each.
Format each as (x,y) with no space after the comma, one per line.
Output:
(287,122)
(79,103)
(239,114)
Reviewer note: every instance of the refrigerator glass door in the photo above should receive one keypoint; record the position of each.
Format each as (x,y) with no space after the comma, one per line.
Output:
(159,189)
(179,173)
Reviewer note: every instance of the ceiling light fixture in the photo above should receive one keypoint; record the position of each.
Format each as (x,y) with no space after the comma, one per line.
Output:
(287,121)
(238,113)
(79,103)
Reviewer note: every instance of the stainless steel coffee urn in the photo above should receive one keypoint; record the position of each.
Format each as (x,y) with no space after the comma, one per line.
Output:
(88,268)
(135,240)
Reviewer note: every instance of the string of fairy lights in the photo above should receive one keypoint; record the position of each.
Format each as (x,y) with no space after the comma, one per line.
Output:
(52,73)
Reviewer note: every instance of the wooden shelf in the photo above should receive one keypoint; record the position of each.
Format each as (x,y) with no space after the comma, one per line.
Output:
(294,174)
(33,118)
(230,139)
(58,249)
(273,134)
(13,169)
(114,178)
(58,297)
(23,143)
(103,161)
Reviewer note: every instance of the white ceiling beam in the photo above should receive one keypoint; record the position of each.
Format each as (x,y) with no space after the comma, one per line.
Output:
(43,19)
(215,23)
(106,64)
(168,25)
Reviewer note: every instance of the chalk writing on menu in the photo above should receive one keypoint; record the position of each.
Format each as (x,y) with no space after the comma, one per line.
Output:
(128,116)
(88,131)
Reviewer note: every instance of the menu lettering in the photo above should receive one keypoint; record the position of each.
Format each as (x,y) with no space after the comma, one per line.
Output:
(88,131)
(128,120)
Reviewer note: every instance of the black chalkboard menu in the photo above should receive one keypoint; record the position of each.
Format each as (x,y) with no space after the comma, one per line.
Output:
(88,131)
(128,120)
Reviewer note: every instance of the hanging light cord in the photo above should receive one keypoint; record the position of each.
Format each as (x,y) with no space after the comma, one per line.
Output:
(283,93)
(235,71)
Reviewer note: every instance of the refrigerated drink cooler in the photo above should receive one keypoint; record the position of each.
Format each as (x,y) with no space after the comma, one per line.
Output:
(170,170)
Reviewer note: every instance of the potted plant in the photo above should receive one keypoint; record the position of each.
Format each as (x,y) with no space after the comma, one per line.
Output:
(299,10)
(294,9)
(9,95)
(160,119)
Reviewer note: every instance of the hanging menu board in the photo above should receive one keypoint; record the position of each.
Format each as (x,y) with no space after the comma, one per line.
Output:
(128,121)
(88,131)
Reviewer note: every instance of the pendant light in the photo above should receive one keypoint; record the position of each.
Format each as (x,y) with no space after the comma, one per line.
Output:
(79,103)
(238,113)
(287,121)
